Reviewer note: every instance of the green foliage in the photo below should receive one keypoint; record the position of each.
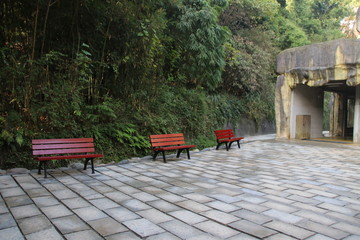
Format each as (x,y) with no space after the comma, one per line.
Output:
(199,41)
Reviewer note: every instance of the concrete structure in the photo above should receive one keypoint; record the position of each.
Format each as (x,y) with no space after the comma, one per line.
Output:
(305,73)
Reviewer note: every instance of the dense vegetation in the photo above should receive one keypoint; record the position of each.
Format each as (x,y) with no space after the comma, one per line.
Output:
(119,70)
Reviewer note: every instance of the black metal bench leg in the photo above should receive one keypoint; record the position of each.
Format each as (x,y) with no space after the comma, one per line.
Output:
(163,153)
(230,144)
(217,147)
(155,154)
(238,142)
(188,153)
(40,163)
(45,169)
(227,147)
(92,164)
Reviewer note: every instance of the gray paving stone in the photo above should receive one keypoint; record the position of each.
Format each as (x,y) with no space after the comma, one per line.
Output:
(348,227)
(180,229)
(45,234)
(77,202)
(154,215)
(45,201)
(316,217)
(283,216)
(164,206)
(12,233)
(25,211)
(11,192)
(187,216)
(216,229)
(198,197)
(104,203)
(56,211)
(17,201)
(121,214)
(34,224)
(222,206)
(7,221)
(289,229)
(125,235)
(86,234)
(163,236)
(252,229)
(252,216)
(220,216)
(323,229)
(143,227)
(107,226)
(90,213)
(70,224)
(118,196)
(193,206)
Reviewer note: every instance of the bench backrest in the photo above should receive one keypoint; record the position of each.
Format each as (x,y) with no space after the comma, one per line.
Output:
(167,140)
(62,146)
(221,134)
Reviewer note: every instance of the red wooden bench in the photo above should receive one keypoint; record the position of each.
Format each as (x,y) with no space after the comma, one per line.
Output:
(226,136)
(67,148)
(164,142)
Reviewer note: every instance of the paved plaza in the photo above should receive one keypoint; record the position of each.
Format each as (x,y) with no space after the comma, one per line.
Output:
(268,189)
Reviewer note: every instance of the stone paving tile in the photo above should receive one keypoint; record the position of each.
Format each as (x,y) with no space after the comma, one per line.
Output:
(89,213)
(56,211)
(143,227)
(7,221)
(283,216)
(252,216)
(155,216)
(86,234)
(180,229)
(25,211)
(323,229)
(253,229)
(46,234)
(107,226)
(12,233)
(165,236)
(289,229)
(121,214)
(34,224)
(125,235)
(216,229)
(70,224)
(187,216)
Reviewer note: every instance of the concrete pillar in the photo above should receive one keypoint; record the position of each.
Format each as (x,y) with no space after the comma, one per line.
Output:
(356,136)
(282,107)
(337,116)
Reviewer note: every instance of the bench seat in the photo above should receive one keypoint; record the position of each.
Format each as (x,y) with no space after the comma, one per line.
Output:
(65,148)
(226,136)
(167,142)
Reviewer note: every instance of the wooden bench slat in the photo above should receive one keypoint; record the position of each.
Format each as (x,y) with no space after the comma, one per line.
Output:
(63,151)
(167,143)
(68,157)
(63,146)
(62,140)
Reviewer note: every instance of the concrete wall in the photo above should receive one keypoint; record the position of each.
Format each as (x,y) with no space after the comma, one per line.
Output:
(307,101)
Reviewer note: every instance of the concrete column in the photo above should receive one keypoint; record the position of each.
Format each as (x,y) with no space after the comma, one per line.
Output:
(356,136)
(282,107)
